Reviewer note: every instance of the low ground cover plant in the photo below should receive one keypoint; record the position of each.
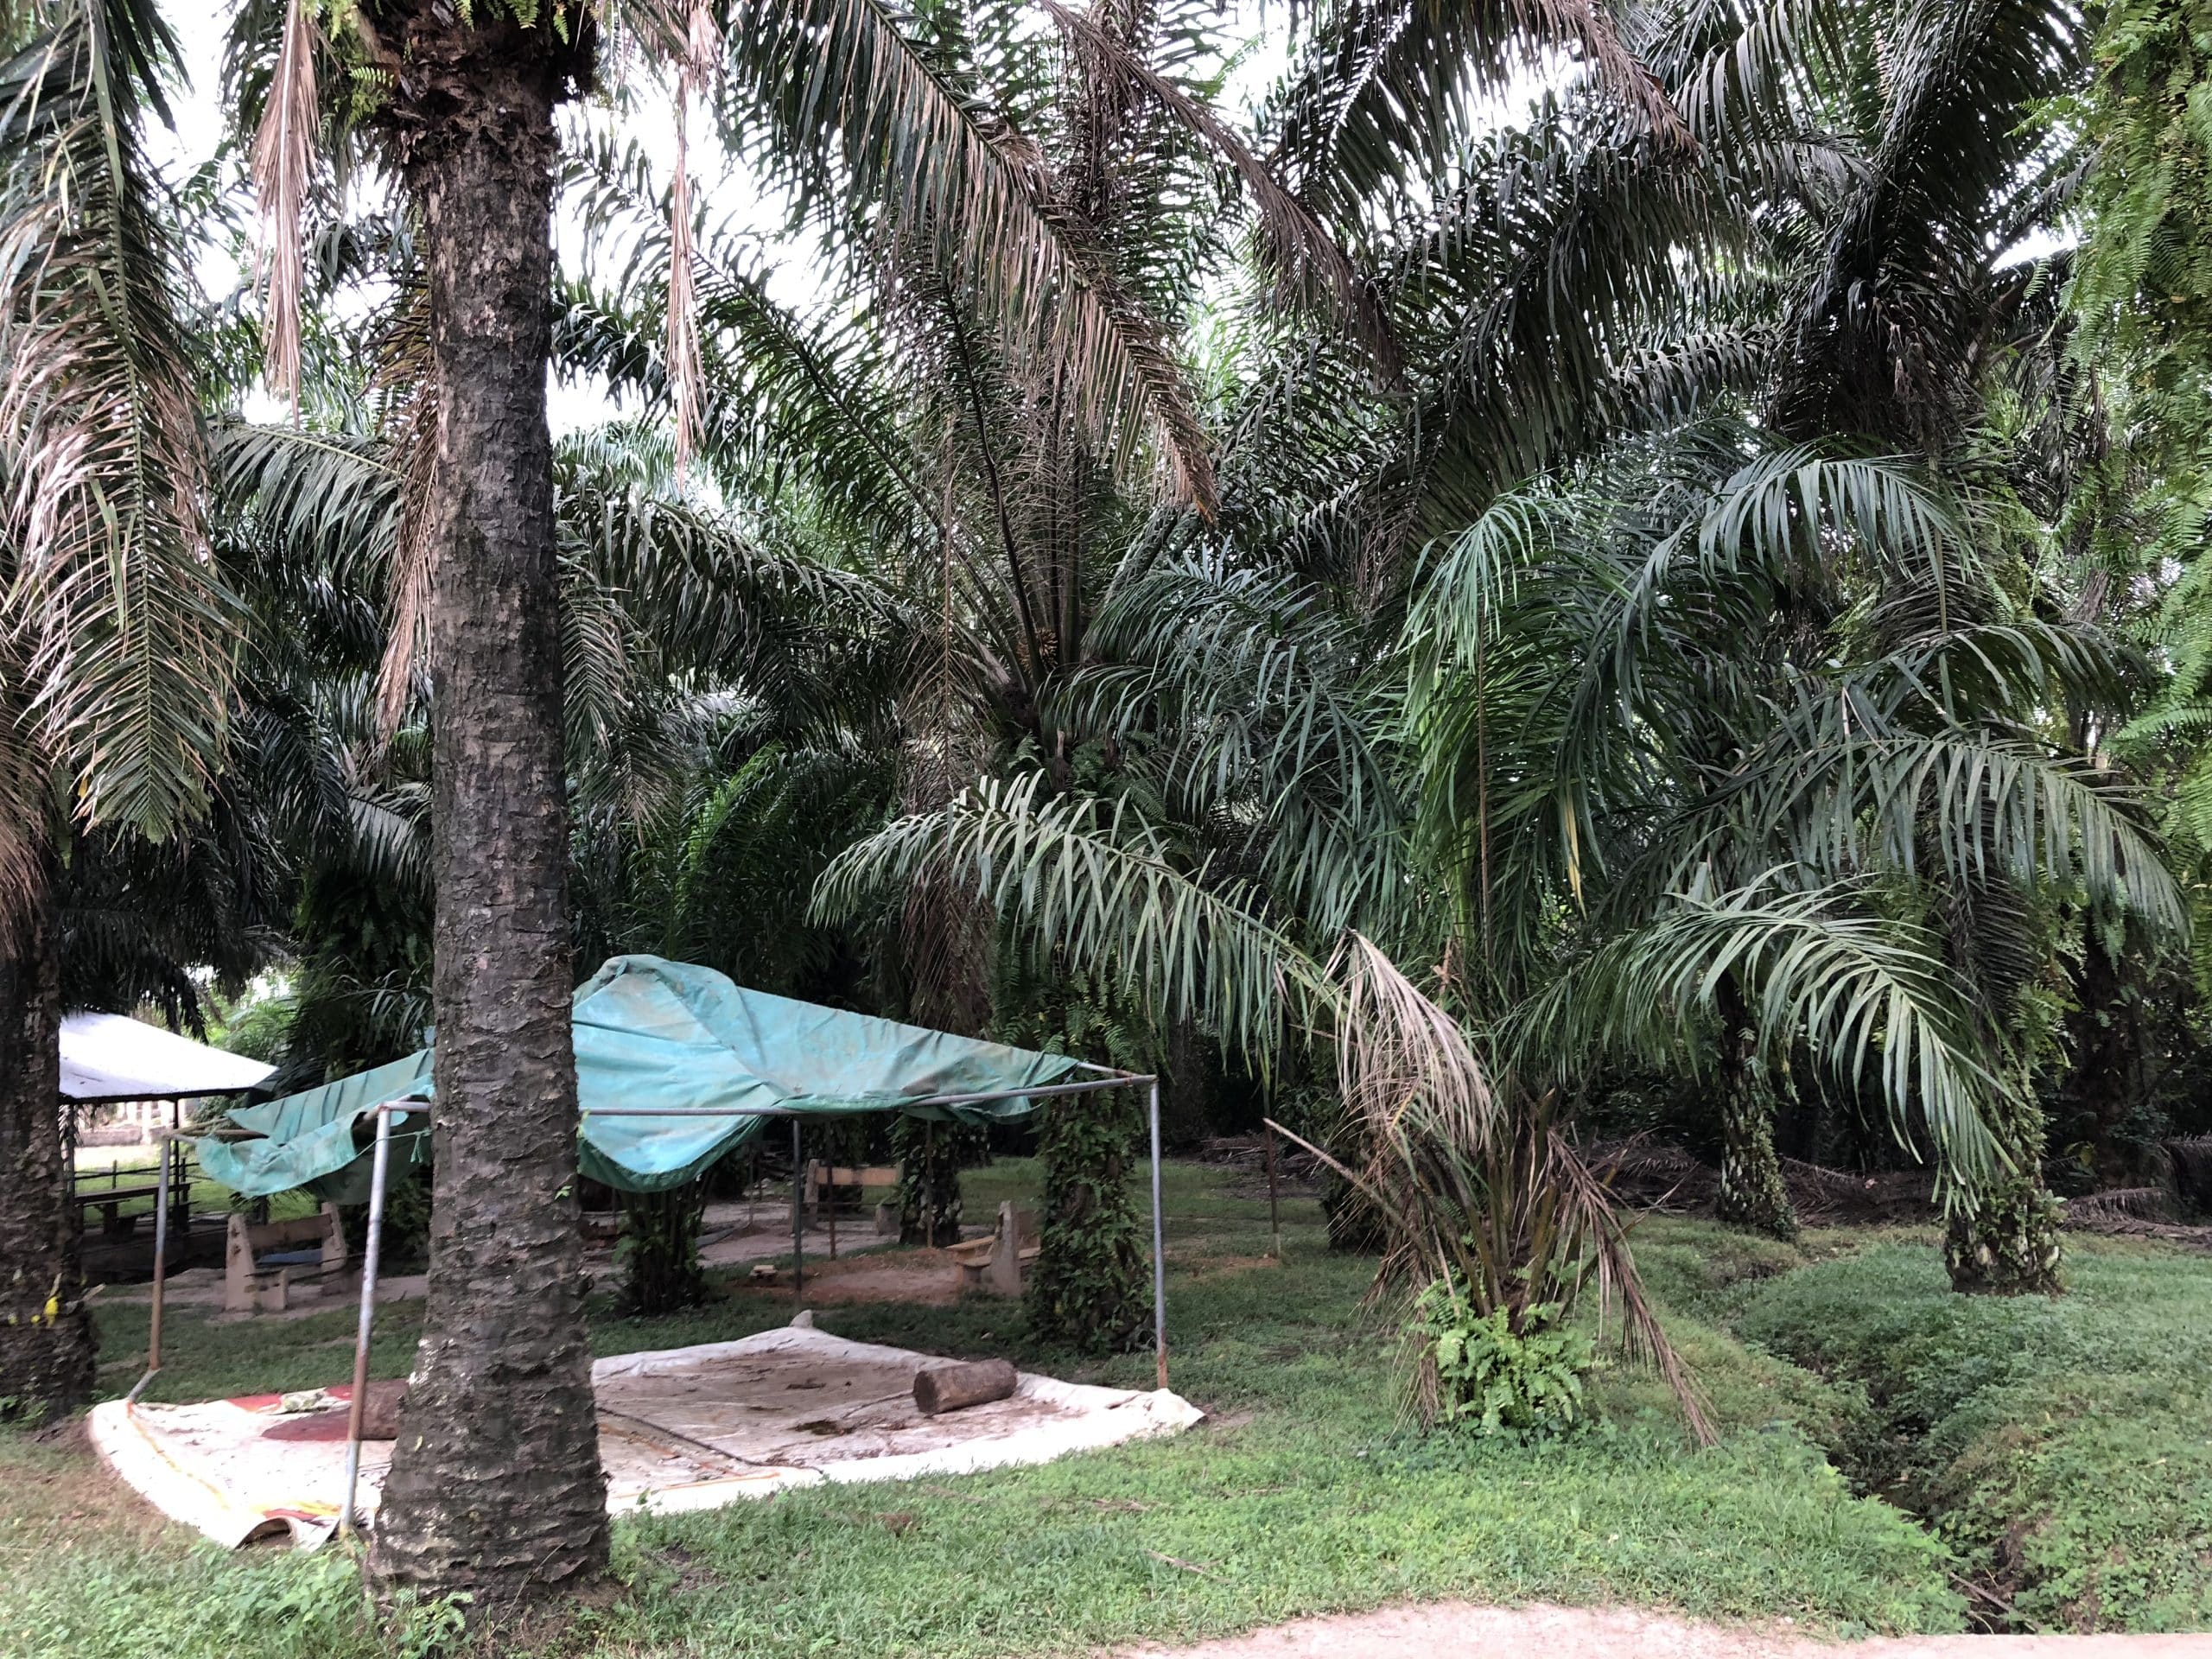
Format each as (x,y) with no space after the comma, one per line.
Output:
(2062,1446)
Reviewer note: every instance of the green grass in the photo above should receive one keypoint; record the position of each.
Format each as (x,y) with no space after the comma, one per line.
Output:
(2063,1446)
(1299,1495)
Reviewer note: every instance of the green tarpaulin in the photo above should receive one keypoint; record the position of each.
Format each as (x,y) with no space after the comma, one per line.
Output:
(666,1035)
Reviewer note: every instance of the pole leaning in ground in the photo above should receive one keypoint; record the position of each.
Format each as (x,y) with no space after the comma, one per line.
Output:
(372,1250)
(1274,1211)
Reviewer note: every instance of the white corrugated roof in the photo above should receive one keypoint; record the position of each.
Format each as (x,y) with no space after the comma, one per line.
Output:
(113,1057)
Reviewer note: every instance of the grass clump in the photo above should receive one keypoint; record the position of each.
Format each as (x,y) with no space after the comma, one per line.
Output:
(2062,1447)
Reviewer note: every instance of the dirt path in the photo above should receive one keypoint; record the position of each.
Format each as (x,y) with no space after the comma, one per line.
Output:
(1455,1629)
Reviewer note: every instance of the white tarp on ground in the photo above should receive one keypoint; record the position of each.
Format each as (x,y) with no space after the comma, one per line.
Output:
(684,1429)
(112,1057)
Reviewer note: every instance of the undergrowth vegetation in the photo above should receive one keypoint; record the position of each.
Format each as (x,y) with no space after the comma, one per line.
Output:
(2062,1446)
(1307,1490)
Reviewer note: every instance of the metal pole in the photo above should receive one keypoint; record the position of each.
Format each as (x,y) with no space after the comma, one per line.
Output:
(1274,1212)
(160,1267)
(1158,1252)
(799,1216)
(183,1198)
(370,1249)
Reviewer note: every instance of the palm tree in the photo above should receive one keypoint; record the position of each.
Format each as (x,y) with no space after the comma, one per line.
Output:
(118,653)
(498,1488)
(1795,687)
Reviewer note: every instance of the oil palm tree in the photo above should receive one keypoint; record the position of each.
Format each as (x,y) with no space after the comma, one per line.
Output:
(499,1488)
(117,633)
(1734,693)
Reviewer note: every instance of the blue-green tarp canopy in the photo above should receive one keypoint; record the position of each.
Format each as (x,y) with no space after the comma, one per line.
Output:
(667,1035)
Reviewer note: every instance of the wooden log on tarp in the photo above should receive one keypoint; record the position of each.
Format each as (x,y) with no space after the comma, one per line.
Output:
(954,1387)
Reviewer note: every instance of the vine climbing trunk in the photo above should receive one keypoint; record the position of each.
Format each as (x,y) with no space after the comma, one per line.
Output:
(495,1485)
(1752,1195)
(46,1344)
(929,1182)
(2004,1240)
(661,1270)
(1090,1287)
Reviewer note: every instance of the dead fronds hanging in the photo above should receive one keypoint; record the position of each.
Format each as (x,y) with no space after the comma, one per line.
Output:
(1478,1192)
(701,63)
(284,166)
(410,419)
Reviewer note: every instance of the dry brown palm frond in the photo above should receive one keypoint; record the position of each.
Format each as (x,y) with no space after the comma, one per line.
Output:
(686,377)
(411,421)
(1619,1285)
(284,165)
(1485,1194)
(1398,1050)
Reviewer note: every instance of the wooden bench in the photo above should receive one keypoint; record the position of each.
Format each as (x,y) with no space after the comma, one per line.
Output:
(250,1285)
(1001,1261)
(110,1200)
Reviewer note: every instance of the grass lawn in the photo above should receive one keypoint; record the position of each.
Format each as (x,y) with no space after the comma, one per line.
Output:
(1299,1495)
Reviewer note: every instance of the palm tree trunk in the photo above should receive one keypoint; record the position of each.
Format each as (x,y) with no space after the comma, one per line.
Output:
(1752,1193)
(661,1271)
(929,1180)
(47,1343)
(1089,1289)
(495,1485)
(2008,1244)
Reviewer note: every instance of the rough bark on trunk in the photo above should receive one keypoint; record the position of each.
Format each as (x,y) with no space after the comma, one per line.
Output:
(1751,1194)
(47,1342)
(2008,1244)
(495,1484)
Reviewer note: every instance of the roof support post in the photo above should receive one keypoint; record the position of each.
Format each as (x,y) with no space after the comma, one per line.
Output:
(372,1250)
(1158,1252)
(161,1274)
(799,1216)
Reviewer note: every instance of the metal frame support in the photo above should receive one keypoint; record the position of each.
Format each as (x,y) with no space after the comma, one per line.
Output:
(798,1216)
(1274,1208)
(1158,1252)
(160,1277)
(371,1248)
(348,1518)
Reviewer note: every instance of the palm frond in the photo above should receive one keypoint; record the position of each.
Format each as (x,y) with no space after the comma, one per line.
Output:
(128,634)
(1095,887)
(1868,994)
(945,173)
